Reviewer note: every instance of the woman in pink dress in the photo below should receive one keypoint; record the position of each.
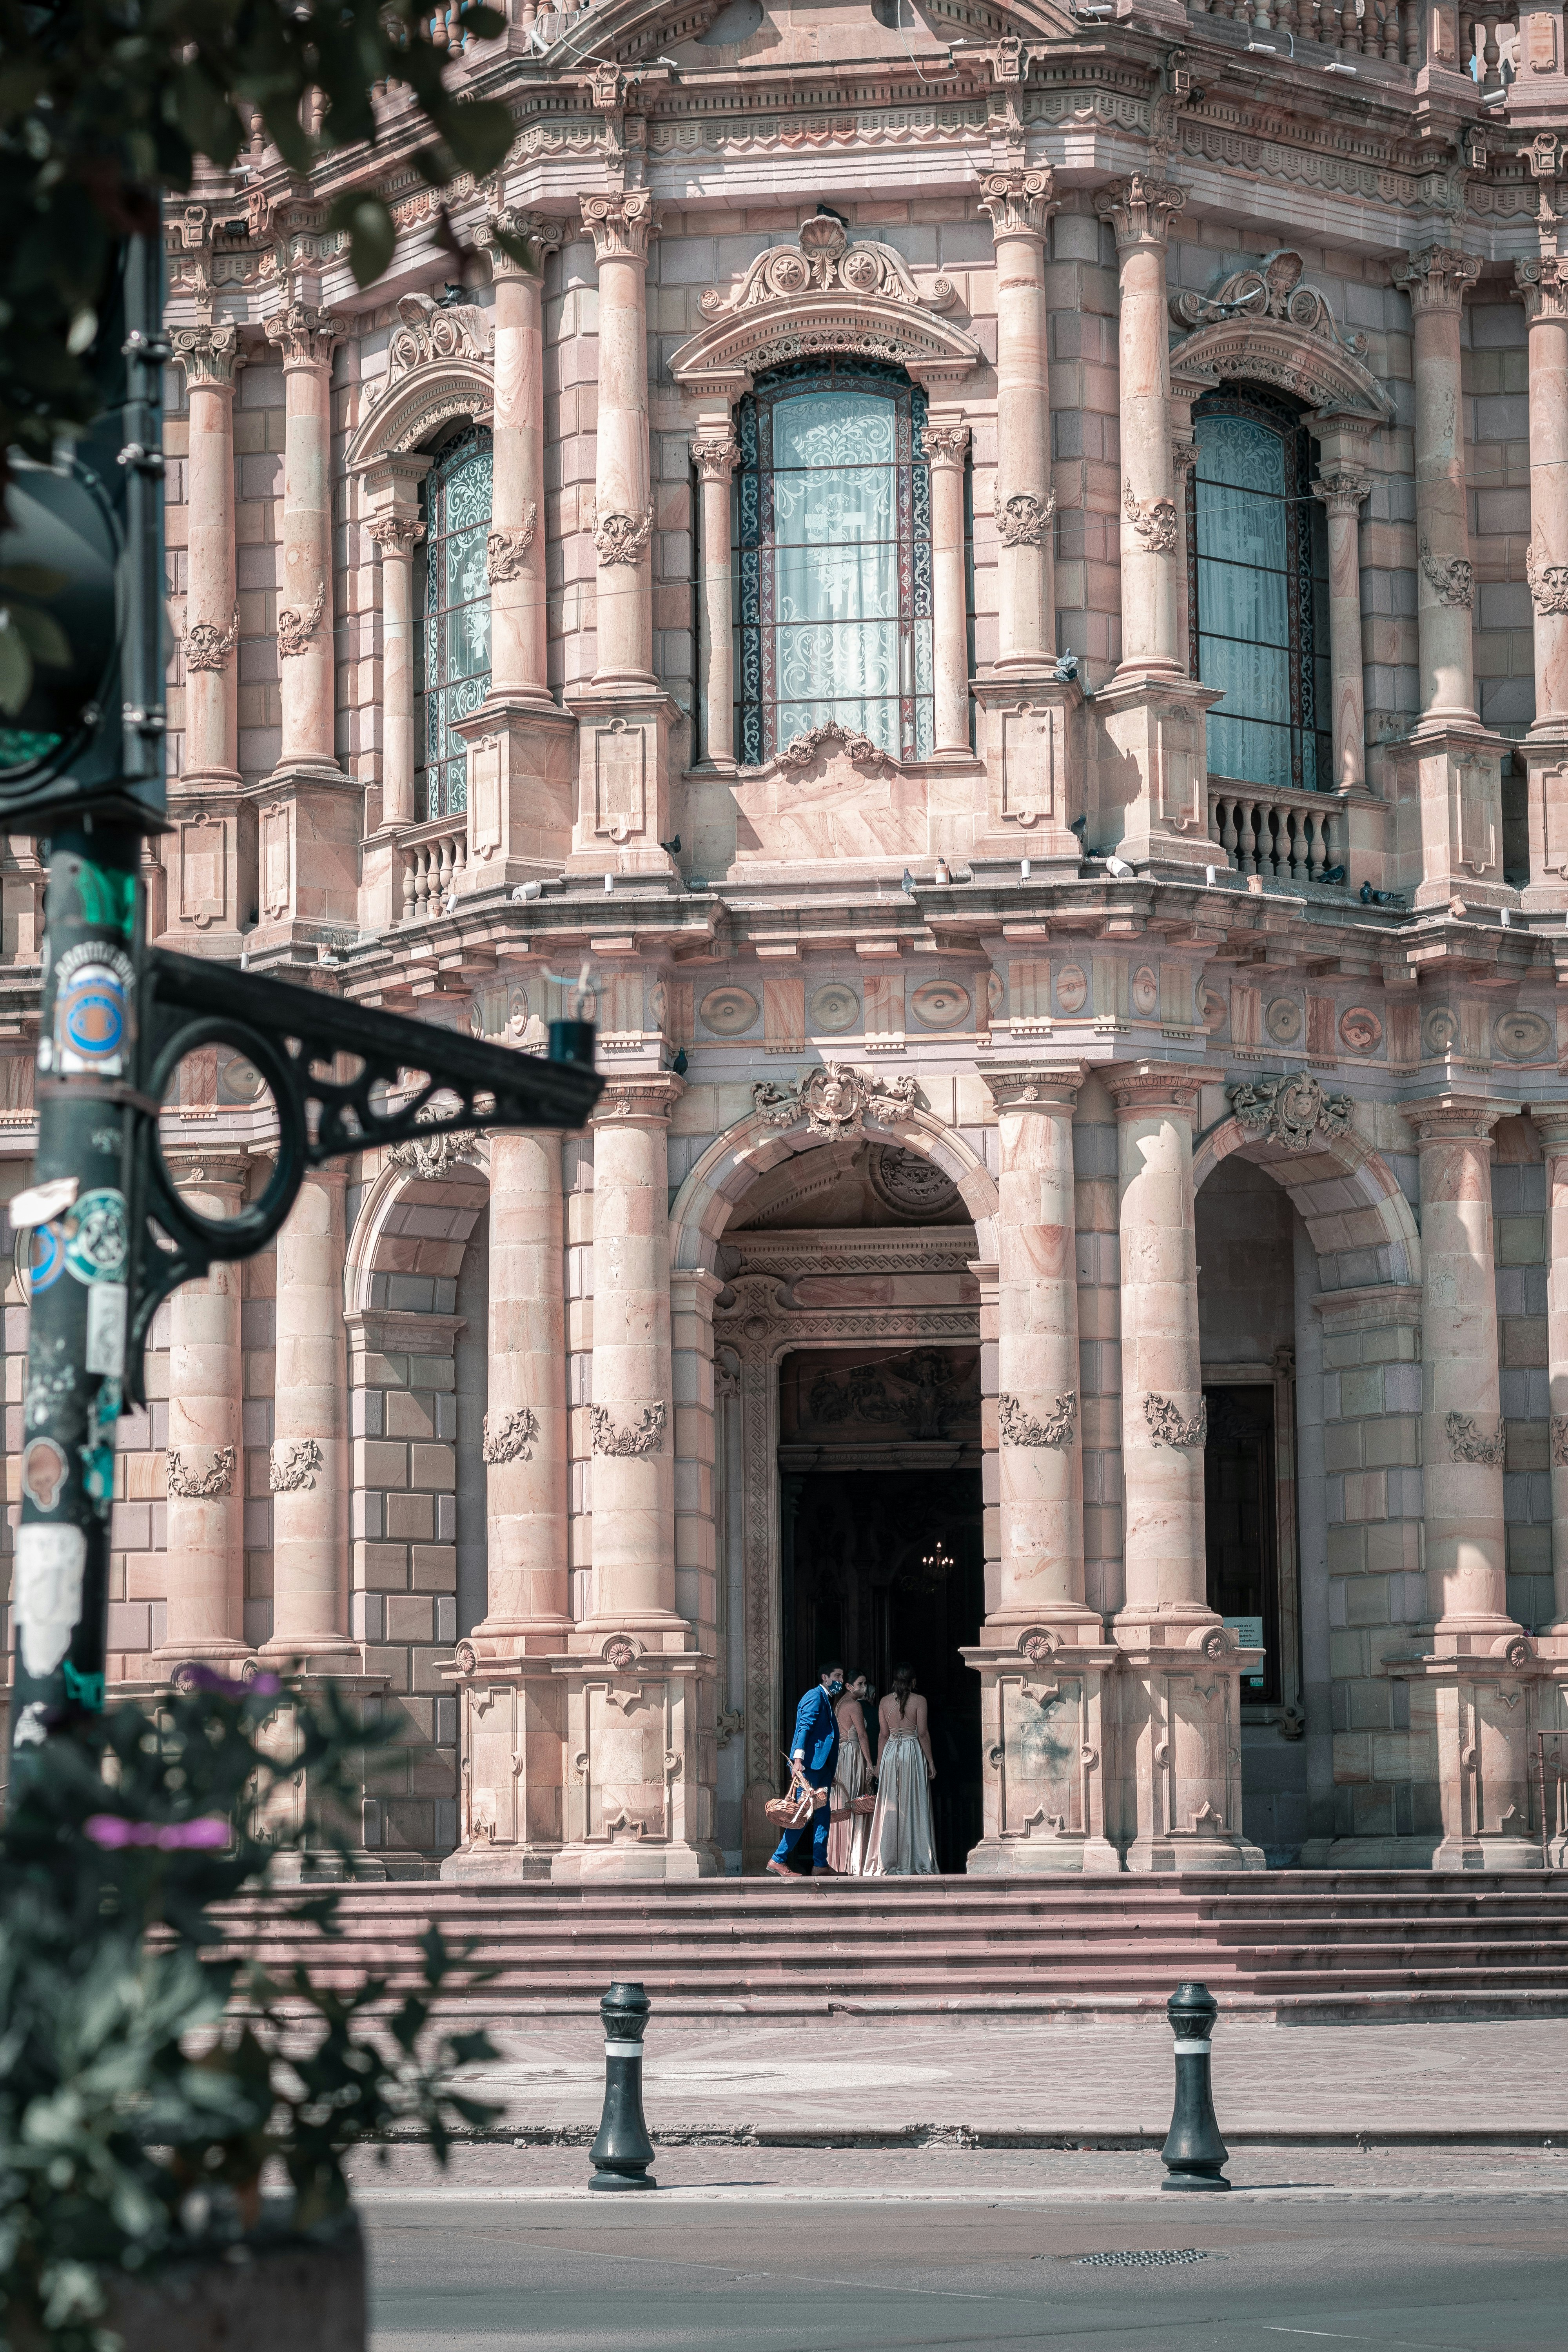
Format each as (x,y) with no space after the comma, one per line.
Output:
(902,1843)
(846,1839)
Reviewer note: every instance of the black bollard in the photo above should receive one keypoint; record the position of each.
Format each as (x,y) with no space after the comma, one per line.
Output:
(623,2151)
(1194,2152)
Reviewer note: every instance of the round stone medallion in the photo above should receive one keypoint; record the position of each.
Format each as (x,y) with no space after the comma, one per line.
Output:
(909,1182)
(1523,1037)
(1145,990)
(1283,1020)
(1440,1030)
(729,1011)
(1072,989)
(940,1004)
(835,1007)
(1360,1031)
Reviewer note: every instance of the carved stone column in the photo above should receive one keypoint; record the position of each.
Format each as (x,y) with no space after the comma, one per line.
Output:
(1020,204)
(397,536)
(636,1692)
(521,763)
(1480,1667)
(307,1473)
(1341,493)
(1544,293)
(210,356)
(1551,1121)
(715,452)
(1180,1754)
(1153,713)
(205,1525)
(307,811)
(945,444)
(624,718)
(1042,1656)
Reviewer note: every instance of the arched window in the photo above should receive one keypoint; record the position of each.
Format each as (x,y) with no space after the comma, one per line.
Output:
(455,642)
(832,552)
(1257,593)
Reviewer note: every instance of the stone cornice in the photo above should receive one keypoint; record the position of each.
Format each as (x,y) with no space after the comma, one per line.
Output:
(1454,1118)
(1033,1085)
(1139,1086)
(638,1101)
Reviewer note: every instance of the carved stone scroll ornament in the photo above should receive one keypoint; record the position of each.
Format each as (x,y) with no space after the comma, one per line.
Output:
(294,1466)
(610,1438)
(944,444)
(297,626)
(825,262)
(512,1439)
(1453,578)
(1019,202)
(801,750)
(1548,582)
(1152,519)
(201,1486)
(835,1100)
(1559,1440)
(621,538)
(206,647)
(1465,1442)
(716,455)
(439,1156)
(505,550)
(1271,289)
(428,332)
(1020,1428)
(1291,1111)
(1025,520)
(1167,1427)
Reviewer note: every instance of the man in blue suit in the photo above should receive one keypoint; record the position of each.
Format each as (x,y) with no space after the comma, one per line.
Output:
(815,1752)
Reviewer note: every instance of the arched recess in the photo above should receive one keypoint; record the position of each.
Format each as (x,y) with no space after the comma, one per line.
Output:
(416,1220)
(730,1166)
(1361,1225)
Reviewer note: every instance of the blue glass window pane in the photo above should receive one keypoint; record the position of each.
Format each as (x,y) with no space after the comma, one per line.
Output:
(455,638)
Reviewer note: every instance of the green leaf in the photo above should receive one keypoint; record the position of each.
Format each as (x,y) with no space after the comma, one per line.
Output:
(484,23)
(15,670)
(45,638)
(524,250)
(370,231)
(479,134)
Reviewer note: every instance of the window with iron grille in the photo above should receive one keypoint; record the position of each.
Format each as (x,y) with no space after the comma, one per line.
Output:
(455,607)
(1258,587)
(831,548)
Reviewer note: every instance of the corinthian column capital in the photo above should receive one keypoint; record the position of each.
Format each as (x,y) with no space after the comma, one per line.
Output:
(715,455)
(397,535)
(1140,209)
(1436,279)
(305,335)
(546,232)
(1020,203)
(209,354)
(1341,492)
(620,225)
(1542,287)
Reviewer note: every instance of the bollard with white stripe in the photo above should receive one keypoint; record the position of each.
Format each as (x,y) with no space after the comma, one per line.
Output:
(1194,2152)
(623,2151)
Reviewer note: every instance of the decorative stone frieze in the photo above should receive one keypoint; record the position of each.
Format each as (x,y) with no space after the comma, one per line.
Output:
(195,1484)
(609,1437)
(505,551)
(835,1100)
(1453,581)
(512,1437)
(1020,1428)
(294,1465)
(1169,1426)
(1465,1442)
(1292,1111)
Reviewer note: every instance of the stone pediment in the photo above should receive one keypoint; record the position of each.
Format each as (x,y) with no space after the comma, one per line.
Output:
(830,292)
(438,366)
(1263,326)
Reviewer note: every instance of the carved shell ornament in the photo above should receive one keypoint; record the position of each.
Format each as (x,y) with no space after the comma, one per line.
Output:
(1270,289)
(835,1101)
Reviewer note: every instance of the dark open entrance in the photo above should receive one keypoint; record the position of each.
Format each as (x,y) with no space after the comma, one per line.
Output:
(882,1547)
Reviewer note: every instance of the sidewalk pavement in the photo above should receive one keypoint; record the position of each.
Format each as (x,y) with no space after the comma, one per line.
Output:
(984,2081)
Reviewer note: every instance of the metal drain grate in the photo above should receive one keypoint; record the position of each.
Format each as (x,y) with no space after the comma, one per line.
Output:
(1165,2254)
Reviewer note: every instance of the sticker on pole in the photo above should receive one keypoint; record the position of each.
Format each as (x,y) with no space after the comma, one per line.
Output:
(106,1304)
(50,1565)
(92,1013)
(97,1237)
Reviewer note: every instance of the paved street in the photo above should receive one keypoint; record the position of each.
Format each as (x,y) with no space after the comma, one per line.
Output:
(715,2266)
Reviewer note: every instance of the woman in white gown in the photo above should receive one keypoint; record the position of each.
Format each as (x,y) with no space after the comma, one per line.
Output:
(902,1844)
(848,1839)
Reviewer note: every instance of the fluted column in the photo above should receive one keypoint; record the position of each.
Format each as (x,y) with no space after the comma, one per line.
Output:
(1544,292)
(1436,281)
(1040,1458)
(205,1524)
(1163,1416)
(1020,204)
(1141,210)
(210,356)
(633,1473)
(620,226)
(305,1474)
(305,336)
(397,536)
(1461,1412)
(526,1420)
(518,632)
(1341,492)
(1551,1121)
(715,452)
(945,444)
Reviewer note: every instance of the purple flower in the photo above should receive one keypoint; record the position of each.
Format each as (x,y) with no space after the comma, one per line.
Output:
(112,1831)
(202,1679)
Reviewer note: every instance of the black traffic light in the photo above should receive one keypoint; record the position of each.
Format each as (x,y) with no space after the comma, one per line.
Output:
(81,574)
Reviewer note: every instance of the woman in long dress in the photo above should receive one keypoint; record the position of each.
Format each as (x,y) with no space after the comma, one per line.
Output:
(902,1844)
(848,1839)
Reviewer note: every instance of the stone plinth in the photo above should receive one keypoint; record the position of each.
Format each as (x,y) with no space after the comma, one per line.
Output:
(1046,1725)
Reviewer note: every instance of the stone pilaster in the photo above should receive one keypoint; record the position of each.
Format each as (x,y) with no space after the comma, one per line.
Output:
(1544,292)
(946,441)
(209,356)
(1020,203)
(205,1523)
(307,1473)
(397,529)
(715,452)
(1042,1657)
(1179,1693)
(1153,713)
(1343,492)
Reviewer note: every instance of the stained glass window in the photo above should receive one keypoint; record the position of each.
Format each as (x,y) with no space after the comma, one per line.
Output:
(832,553)
(455,642)
(1258,587)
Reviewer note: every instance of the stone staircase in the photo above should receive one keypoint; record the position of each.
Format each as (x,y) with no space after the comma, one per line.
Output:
(1289,1944)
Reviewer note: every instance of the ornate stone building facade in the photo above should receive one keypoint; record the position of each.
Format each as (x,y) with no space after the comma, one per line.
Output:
(1004,585)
